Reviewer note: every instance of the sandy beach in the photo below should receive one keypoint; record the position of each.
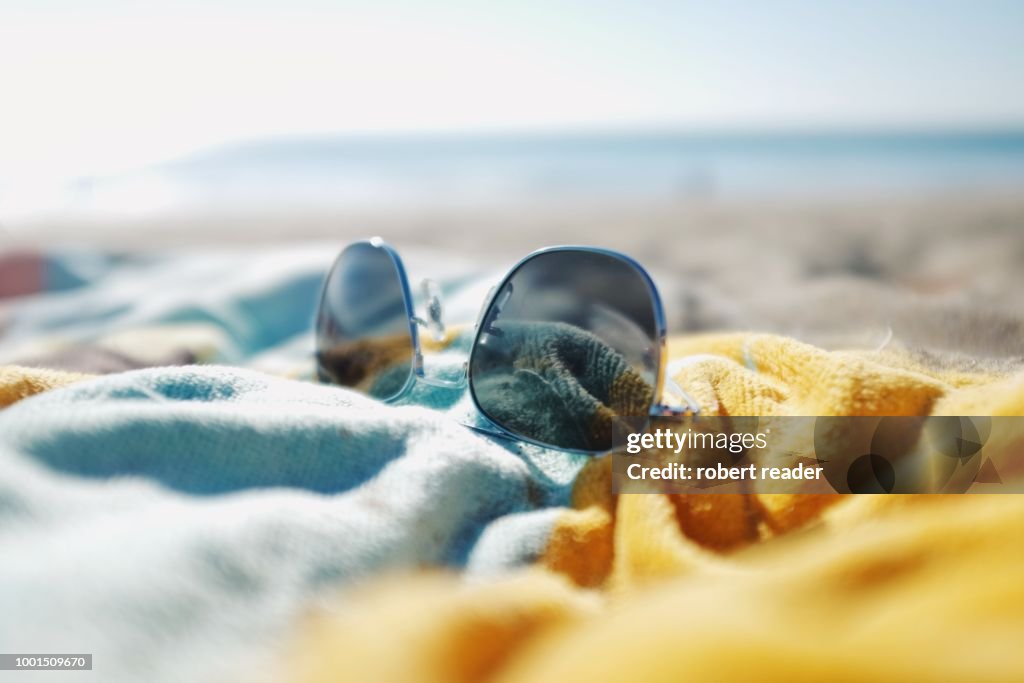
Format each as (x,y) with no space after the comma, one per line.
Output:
(937,273)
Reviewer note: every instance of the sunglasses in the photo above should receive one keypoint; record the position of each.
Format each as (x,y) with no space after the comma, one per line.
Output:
(572,338)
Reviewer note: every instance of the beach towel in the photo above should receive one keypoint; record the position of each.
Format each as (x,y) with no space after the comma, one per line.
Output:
(217,522)
(925,590)
(688,587)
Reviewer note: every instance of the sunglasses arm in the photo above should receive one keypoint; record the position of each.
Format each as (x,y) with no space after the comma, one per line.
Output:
(683,403)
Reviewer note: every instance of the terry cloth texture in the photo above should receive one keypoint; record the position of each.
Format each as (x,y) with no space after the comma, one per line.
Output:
(198,511)
(17,383)
(210,523)
(686,587)
(246,497)
(908,591)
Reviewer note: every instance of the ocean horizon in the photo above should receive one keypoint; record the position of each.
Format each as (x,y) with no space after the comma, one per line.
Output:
(336,171)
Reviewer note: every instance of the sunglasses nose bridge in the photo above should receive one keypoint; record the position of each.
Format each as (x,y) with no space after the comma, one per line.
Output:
(434,309)
(431,373)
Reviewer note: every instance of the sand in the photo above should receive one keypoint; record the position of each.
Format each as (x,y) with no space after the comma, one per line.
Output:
(942,275)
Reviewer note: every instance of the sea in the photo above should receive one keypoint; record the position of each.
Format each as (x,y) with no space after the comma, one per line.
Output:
(378,172)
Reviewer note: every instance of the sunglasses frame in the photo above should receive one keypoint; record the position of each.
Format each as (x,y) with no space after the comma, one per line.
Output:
(489,426)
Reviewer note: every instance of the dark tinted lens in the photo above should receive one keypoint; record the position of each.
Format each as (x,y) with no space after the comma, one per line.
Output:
(569,342)
(363,337)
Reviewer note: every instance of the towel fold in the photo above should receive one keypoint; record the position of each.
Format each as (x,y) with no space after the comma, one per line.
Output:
(900,588)
(903,591)
(193,512)
(736,374)
(182,523)
(405,487)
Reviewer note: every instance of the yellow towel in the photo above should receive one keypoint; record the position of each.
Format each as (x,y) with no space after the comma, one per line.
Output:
(17,382)
(930,592)
(670,588)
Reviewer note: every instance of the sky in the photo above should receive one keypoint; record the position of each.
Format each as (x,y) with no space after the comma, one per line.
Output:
(94,86)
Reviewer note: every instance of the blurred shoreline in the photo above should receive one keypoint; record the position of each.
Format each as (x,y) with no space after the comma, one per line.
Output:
(495,229)
(558,172)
